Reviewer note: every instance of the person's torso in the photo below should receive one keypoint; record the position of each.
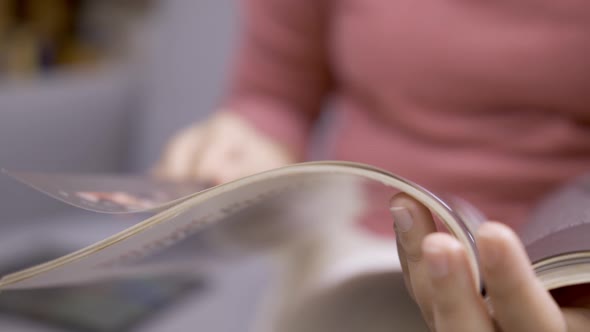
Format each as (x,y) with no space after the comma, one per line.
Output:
(486,99)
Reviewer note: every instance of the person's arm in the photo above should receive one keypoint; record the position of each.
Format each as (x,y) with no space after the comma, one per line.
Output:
(281,75)
(277,88)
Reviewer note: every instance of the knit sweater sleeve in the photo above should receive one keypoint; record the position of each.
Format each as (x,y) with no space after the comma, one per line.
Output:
(281,75)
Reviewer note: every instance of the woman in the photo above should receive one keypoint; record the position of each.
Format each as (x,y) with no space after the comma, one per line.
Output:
(487,100)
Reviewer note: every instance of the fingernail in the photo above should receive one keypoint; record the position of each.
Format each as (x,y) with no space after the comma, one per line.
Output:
(402,218)
(436,261)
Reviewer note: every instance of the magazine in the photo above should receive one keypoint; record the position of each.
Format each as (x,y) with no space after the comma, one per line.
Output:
(273,208)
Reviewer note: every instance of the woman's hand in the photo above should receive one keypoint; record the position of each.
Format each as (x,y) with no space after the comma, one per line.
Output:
(438,277)
(219,150)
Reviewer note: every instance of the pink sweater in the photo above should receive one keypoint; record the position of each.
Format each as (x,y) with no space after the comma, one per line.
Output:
(487,100)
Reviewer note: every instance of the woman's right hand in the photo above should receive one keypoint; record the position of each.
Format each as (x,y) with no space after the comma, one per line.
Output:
(221,149)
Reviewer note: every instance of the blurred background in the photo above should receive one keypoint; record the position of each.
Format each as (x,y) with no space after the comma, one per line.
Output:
(99,86)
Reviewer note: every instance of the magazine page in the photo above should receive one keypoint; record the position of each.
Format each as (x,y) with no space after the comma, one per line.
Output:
(561,223)
(255,213)
(109,193)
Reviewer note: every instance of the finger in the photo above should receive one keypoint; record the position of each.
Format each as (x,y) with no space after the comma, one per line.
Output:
(413,221)
(404,264)
(212,161)
(457,307)
(179,156)
(420,284)
(246,155)
(577,319)
(519,300)
(225,140)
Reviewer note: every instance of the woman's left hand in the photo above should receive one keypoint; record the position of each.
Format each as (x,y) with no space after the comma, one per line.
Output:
(438,277)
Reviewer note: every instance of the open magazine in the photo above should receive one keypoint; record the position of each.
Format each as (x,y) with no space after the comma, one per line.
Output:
(273,208)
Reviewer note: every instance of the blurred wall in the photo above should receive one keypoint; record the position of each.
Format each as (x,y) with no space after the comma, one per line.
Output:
(188,49)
